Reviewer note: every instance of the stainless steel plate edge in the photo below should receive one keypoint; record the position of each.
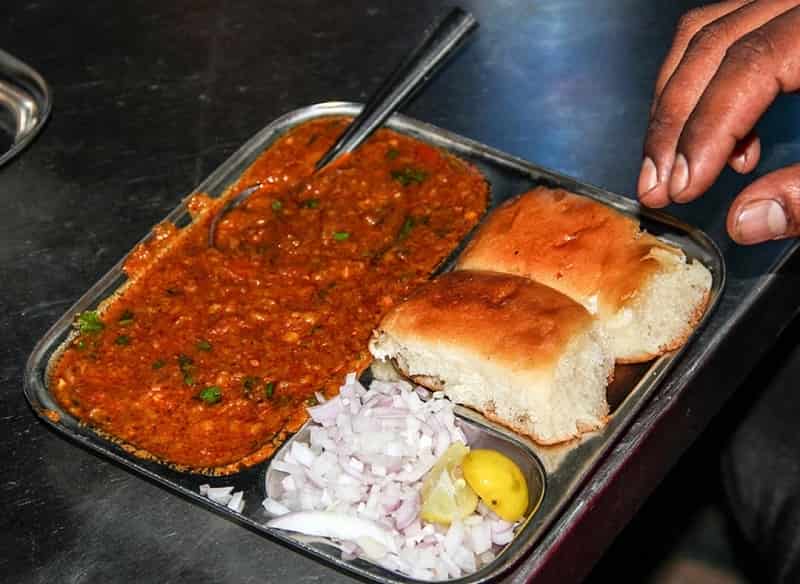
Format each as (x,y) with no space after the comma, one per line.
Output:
(26,97)
(575,464)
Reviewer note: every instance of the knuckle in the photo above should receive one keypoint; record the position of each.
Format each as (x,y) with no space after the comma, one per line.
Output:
(792,195)
(710,37)
(690,22)
(662,121)
(756,50)
(791,204)
(662,132)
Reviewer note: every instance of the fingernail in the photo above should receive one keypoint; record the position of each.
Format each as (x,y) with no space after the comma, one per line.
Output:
(648,177)
(739,160)
(761,221)
(680,177)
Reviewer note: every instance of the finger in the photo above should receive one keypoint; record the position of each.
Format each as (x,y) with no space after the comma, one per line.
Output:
(767,209)
(756,69)
(688,26)
(650,187)
(745,156)
(681,94)
(706,48)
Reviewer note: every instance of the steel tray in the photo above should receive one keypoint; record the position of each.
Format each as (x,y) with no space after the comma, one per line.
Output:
(562,469)
(24,105)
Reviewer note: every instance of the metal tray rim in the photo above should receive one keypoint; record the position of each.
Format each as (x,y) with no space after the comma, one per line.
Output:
(624,416)
(42,95)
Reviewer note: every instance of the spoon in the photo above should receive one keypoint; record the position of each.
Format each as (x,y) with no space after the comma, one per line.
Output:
(417,68)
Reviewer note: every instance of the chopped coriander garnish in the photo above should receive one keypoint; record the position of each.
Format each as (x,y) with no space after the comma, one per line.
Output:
(277,205)
(312,401)
(186,365)
(250,383)
(80,344)
(122,340)
(408,225)
(211,394)
(340,235)
(158,363)
(203,345)
(322,293)
(269,389)
(310,203)
(392,153)
(126,318)
(409,175)
(89,322)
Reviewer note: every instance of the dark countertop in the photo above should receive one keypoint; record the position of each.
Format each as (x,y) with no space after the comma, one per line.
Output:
(150,97)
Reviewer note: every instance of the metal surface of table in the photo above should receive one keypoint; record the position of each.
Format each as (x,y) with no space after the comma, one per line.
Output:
(150,97)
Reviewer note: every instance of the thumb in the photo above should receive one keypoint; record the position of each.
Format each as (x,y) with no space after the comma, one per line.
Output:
(767,209)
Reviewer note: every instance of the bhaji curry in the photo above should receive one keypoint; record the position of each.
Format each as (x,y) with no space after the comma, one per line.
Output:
(208,357)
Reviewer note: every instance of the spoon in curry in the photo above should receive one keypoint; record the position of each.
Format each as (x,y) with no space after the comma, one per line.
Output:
(417,68)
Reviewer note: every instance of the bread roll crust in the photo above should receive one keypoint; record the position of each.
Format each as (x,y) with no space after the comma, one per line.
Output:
(587,250)
(515,322)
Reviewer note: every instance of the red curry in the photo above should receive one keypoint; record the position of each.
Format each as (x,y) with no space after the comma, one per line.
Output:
(208,358)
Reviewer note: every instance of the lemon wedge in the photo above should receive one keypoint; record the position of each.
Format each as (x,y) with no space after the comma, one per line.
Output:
(446,496)
(498,481)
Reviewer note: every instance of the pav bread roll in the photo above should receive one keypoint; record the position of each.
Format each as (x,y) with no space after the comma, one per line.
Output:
(647,297)
(521,353)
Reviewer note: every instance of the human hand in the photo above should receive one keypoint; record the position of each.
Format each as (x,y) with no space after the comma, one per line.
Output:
(728,63)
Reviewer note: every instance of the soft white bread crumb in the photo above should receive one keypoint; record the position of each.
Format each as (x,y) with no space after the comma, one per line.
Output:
(534,360)
(664,311)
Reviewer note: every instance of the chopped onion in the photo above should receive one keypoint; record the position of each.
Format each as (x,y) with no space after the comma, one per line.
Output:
(237,502)
(357,480)
(221,495)
(275,507)
(336,525)
(224,496)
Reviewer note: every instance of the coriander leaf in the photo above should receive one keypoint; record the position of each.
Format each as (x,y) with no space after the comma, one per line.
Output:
(269,389)
(211,394)
(409,175)
(126,318)
(340,235)
(122,340)
(89,322)
(277,205)
(186,365)
(250,383)
(405,230)
(310,203)
(392,153)
(203,345)
(158,363)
